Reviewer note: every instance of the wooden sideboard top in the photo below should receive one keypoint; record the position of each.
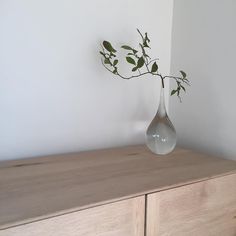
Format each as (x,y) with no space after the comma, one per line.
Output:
(38,188)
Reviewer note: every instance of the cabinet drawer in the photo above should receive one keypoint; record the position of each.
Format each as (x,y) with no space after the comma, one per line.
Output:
(124,218)
(205,208)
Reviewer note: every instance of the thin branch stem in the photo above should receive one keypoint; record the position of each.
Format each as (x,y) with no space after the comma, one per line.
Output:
(172,77)
(177,78)
(106,66)
(144,57)
(147,66)
(111,65)
(162,82)
(133,76)
(152,61)
(140,34)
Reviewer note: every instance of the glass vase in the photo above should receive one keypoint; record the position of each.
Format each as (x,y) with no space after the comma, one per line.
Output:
(161,135)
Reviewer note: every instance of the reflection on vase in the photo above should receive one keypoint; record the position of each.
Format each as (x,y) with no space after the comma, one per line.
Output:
(161,135)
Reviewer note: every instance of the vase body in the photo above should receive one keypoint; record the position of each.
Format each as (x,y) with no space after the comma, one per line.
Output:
(161,135)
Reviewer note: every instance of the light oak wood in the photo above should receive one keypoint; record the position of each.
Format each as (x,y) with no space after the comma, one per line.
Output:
(124,218)
(34,189)
(202,209)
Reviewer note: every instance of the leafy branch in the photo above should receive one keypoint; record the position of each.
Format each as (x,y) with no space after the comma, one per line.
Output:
(141,62)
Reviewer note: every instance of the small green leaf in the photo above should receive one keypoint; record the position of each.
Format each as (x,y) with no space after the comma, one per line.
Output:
(154,67)
(146,38)
(115,71)
(130,60)
(183,88)
(102,53)
(112,55)
(173,92)
(135,51)
(108,46)
(145,44)
(143,50)
(107,61)
(135,68)
(126,47)
(115,62)
(183,74)
(140,62)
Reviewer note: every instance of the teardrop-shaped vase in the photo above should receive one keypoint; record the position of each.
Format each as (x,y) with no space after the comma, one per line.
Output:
(161,135)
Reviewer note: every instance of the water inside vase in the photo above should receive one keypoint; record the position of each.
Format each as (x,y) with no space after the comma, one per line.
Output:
(161,135)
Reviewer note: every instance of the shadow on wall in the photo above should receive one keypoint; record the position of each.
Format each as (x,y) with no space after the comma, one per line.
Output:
(203,44)
(196,129)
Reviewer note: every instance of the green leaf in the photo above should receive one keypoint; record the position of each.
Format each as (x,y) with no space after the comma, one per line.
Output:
(112,55)
(140,34)
(130,60)
(108,46)
(154,67)
(102,53)
(173,92)
(145,44)
(140,62)
(143,51)
(183,88)
(146,38)
(107,61)
(129,48)
(183,74)
(115,71)
(115,62)
(126,47)
(135,68)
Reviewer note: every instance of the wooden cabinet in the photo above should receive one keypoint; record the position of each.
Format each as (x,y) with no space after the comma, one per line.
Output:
(124,218)
(206,208)
(118,192)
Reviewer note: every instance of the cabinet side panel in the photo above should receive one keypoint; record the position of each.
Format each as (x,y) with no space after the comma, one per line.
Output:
(124,218)
(206,208)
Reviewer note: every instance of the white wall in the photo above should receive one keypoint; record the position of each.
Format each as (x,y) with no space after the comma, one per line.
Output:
(204,44)
(54,94)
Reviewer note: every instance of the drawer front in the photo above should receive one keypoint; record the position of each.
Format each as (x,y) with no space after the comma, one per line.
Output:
(124,218)
(206,208)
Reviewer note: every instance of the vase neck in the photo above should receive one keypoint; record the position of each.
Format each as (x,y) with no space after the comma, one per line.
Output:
(162,108)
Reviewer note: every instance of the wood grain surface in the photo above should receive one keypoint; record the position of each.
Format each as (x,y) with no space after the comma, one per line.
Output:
(123,218)
(37,188)
(206,208)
